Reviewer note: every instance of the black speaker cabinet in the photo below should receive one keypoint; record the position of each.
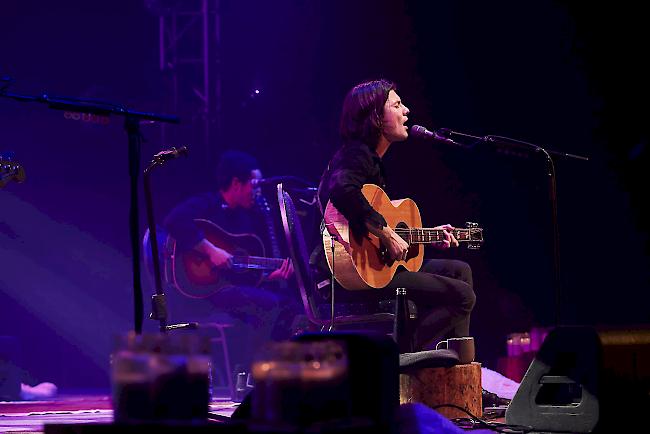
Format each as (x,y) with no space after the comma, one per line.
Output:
(585,380)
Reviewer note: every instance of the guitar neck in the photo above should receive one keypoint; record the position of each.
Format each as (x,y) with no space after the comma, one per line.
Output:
(257,262)
(430,235)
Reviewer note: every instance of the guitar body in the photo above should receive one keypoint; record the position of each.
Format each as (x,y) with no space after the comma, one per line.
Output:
(192,273)
(196,276)
(361,262)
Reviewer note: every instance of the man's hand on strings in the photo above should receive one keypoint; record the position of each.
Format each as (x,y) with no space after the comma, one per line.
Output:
(283,273)
(396,246)
(449,239)
(219,257)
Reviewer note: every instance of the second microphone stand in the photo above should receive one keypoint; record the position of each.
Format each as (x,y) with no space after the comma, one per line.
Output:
(158,300)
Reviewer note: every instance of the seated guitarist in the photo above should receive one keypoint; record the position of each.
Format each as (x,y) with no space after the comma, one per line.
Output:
(373,117)
(265,310)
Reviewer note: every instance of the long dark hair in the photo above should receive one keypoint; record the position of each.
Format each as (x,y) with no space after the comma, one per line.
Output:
(363,110)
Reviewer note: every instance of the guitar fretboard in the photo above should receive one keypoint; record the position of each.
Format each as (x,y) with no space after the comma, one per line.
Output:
(427,235)
(256,262)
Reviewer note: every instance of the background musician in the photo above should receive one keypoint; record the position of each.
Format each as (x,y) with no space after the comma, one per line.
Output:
(265,311)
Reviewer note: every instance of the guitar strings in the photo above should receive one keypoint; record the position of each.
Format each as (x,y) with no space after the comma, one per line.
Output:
(416,235)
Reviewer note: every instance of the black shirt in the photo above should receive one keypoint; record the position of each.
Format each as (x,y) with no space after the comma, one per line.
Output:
(353,165)
(211,206)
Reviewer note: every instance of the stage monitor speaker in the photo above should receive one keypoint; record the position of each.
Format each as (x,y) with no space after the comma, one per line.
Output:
(584,380)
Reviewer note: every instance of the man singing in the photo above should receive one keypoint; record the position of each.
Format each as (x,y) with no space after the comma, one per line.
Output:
(373,118)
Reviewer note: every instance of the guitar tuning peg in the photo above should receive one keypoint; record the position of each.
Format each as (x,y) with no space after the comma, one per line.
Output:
(471,225)
(473,246)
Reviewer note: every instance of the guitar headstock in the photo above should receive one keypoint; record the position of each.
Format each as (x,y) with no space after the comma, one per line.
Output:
(10,171)
(475,236)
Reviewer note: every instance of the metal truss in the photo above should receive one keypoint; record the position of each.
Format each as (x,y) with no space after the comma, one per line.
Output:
(189,59)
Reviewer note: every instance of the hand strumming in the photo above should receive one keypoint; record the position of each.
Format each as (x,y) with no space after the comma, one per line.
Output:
(397,248)
(219,257)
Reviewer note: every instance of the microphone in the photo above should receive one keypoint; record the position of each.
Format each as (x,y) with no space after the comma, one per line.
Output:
(275,180)
(423,133)
(170,154)
(437,135)
(258,182)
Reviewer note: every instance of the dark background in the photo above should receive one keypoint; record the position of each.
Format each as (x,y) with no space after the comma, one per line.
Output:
(567,77)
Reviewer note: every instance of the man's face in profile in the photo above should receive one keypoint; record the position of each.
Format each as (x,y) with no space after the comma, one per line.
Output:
(394,118)
(244,192)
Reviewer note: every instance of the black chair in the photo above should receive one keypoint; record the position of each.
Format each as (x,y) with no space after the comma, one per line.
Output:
(379,312)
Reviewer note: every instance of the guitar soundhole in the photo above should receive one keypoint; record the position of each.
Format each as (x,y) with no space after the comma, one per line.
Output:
(383,251)
(413,248)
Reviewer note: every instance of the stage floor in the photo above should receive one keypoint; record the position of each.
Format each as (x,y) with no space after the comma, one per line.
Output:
(79,407)
(73,408)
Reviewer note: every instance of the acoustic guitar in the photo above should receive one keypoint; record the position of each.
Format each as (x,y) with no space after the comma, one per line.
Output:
(195,276)
(362,262)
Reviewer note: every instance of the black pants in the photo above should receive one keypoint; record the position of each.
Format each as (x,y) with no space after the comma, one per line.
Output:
(443,293)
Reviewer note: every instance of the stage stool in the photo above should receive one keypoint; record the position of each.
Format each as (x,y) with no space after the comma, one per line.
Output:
(434,378)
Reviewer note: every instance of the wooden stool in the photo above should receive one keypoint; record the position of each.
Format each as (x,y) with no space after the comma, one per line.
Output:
(459,385)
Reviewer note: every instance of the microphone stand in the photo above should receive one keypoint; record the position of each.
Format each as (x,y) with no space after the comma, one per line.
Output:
(132,119)
(158,300)
(525,148)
